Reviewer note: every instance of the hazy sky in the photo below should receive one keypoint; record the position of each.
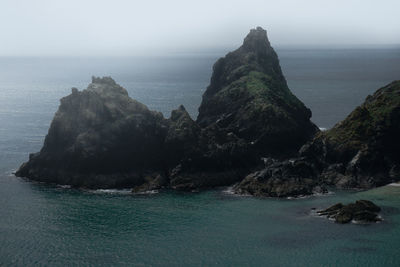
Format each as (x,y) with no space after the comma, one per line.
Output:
(91,27)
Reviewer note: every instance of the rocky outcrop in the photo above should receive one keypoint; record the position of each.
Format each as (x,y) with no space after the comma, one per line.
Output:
(289,178)
(360,211)
(363,150)
(219,159)
(360,152)
(100,137)
(249,97)
(182,139)
(247,112)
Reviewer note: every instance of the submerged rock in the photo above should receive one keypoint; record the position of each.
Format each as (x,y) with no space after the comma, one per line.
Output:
(360,211)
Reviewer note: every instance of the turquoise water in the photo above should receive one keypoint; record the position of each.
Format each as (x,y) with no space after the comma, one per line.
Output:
(54,226)
(42,225)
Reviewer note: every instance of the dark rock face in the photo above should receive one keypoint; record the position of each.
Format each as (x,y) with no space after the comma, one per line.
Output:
(218,159)
(182,138)
(247,112)
(99,137)
(290,178)
(151,182)
(203,157)
(360,211)
(249,97)
(363,151)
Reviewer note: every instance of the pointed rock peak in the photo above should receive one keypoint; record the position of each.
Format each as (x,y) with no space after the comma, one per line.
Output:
(256,40)
(181,108)
(178,113)
(105,80)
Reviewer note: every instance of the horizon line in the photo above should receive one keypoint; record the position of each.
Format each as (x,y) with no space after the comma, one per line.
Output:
(205,50)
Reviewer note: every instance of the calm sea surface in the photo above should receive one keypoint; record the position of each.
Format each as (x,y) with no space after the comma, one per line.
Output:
(55,226)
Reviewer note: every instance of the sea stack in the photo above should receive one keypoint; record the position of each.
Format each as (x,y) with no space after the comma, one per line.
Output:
(99,137)
(248,96)
(102,138)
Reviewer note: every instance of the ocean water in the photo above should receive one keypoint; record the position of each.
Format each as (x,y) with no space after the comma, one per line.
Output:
(56,226)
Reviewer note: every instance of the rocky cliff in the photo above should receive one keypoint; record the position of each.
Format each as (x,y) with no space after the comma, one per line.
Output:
(247,112)
(362,151)
(248,96)
(102,138)
(99,137)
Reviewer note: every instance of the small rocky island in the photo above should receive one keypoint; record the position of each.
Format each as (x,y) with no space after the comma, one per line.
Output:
(362,211)
(251,131)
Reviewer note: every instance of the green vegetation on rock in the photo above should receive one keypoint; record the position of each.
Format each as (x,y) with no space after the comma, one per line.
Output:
(248,96)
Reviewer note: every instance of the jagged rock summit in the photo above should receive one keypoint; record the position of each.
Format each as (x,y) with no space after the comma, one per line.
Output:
(248,96)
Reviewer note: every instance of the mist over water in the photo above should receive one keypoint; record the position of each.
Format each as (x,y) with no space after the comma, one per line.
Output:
(57,226)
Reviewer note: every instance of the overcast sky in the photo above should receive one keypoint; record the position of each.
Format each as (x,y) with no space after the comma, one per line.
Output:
(122,27)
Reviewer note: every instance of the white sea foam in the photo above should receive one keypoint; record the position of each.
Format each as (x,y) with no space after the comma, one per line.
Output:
(363,222)
(10,172)
(312,195)
(329,193)
(149,192)
(229,190)
(64,186)
(112,191)
(394,184)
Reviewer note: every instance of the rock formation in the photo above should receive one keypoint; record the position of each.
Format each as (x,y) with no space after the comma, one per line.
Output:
(289,178)
(362,151)
(247,112)
(101,138)
(248,96)
(360,211)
